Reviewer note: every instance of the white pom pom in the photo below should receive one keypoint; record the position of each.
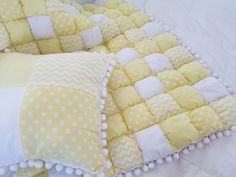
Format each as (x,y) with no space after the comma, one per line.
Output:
(105,152)
(225,84)
(108,74)
(102,102)
(191,147)
(206,140)
(101,175)
(104,143)
(59,167)
(199,145)
(108,164)
(69,170)
(104,93)
(104,126)
(31,163)
(169,159)
(23,164)
(120,175)
(151,165)
(110,68)
(145,168)
(113,62)
(87,175)
(14,167)
(49,165)
(38,164)
(213,136)
(227,133)
(201,61)
(103,117)
(219,134)
(230,90)
(78,172)
(196,56)
(159,161)
(3,170)
(233,128)
(104,135)
(129,174)
(137,172)
(176,156)
(101,107)
(185,151)
(215,75)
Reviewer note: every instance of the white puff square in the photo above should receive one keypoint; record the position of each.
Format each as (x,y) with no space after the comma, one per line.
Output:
(153,143)
(91,37)
(71,10)
(211,89)
(41,27)
(152,29)
(126,55)
(149,87)
(98,18)
(158,62)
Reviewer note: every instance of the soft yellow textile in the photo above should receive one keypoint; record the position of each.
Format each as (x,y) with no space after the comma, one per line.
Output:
(118,79)
(165,41)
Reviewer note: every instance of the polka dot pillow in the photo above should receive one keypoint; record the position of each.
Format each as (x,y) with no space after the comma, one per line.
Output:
(51,111)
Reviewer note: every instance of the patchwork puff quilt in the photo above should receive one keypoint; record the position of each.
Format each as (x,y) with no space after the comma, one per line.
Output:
(161,100)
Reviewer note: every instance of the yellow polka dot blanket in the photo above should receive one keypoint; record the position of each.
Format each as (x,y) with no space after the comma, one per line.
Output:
(161,101)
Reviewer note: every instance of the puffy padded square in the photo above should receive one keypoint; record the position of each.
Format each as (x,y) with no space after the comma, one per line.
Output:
(125,97)
(140,18)
(118,79)
(112,13)
(110,106)
(135,35)
(178,56)
(172,79)
(98,18)
(193,72)
(211,89)
(158,62)
(125,153)
(71,43)
(48,46)
(205,120)
(126,55)
(116,127)
(113,3)
(100,48)
(138,117)
(152,29)
(41,27)
(63,23)
(30,48)
(137,70)
(118,43)
(179,130)
(124,23)
(163,106)
(11,10)
(100,10)
(226,109)
(4,42)
(165,41)
(91,37)
(155,149)
(34,8)
(89,7)
(149,87)
(83,23)
(187,97)
(147,47)
(126,9)
(19,32)
(109,29)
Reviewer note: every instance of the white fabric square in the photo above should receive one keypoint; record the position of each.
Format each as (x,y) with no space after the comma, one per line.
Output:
(10,102)
(152,29)
(41,27)
(211,89)
(98,18)
(153,143)
(91,37)
(158,62)
(149,87)
(126,55)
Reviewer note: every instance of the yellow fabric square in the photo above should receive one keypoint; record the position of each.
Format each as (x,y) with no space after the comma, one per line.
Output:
(4,42)
(83,23)
(118,79)
(63,23)
(116,127)
(135,35)
(11,10)
(137,70)
(140,18)
(112,13)
(19,32)
(86,14)
(34,8)
(118,43)
(49,46)
(138,117)
(126,9)
(113,3)
(100,48)
(193,72)
(89,7)
(125,97)
(205,120)
(165,41)
(179,130)
(71,43)
(125,153)
(30,48)
(100,10)
(187,97)
(109,29)
(178,56)
(172,79)
(147,47)
(163,106)
(125,23)
(110,106)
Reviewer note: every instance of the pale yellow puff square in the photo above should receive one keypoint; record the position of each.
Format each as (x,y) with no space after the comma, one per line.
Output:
(193,72)
(126,9)
(116,127)
(71,43)
(86,13)
(165,41)
(118,43)
(89,7)
(135,35)
(113,13)
(19,31)
(172,79)
(179,130)
(30,48)
(110,106)
(118,79)
(125,23)
(147,47)
(138,117)
(34,8)
(113,3)
(187,97)
(125,97)
(100,48)
(49,46)
(109,29)
(11,10)
(137,70)
(4,42)
(140,18)
(100,10)
(83,23)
